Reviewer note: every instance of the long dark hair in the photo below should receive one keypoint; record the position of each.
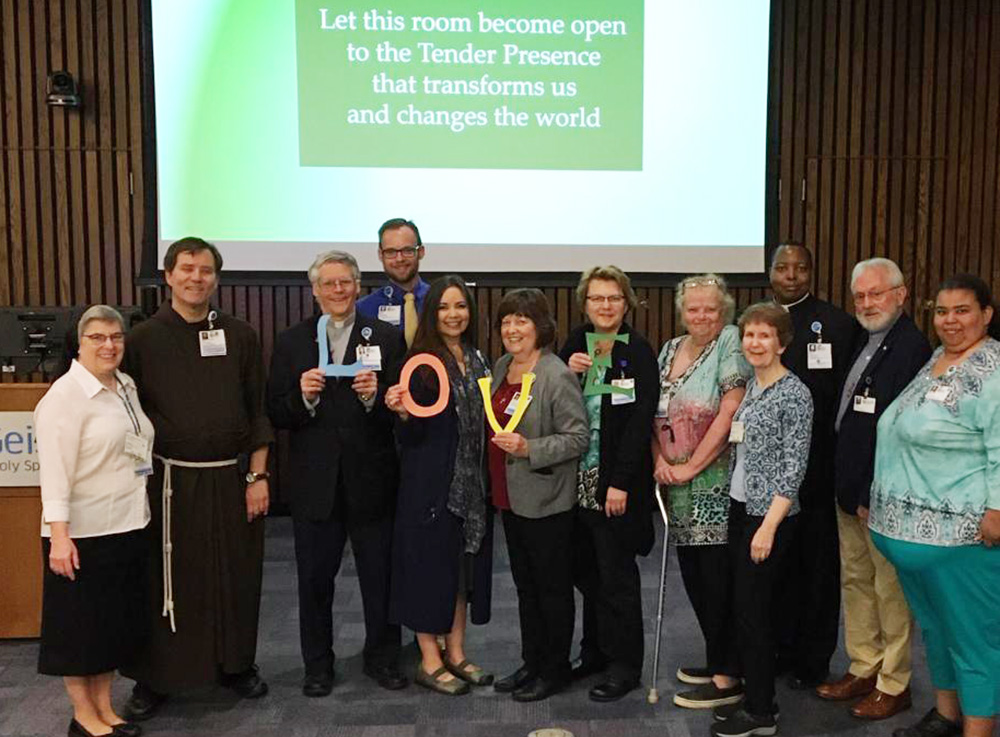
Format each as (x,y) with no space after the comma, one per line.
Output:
(981,290)
(428,339)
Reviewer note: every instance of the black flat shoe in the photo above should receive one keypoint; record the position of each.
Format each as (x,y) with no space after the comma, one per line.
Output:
(388,677)
(246,685)
(537,690)
(78,730)
(317,686)
(584,667)
(143,703)
(521,677)
(611,690)
(126,729)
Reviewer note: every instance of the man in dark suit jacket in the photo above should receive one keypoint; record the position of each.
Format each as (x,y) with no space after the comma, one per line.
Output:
(876,618)
(818,354)
(343,467)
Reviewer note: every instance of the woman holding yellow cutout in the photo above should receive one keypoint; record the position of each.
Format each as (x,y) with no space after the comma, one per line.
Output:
(533,481)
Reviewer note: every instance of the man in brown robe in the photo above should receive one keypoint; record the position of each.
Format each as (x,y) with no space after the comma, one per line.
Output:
(201,381)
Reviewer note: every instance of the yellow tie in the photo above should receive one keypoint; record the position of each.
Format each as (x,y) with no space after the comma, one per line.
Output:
(409,318)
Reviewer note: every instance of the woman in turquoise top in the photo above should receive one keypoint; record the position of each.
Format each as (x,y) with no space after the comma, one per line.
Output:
(702,379)
(935,509)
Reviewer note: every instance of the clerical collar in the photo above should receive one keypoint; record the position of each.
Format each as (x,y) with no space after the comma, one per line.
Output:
(341,324)
(799,301)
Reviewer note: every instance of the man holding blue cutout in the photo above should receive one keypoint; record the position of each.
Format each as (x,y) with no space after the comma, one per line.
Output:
(329,374)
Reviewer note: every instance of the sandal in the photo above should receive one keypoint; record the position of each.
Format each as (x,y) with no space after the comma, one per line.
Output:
(434,682)
(469,673)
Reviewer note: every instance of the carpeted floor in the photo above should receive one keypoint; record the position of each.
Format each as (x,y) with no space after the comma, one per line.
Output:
(32,705)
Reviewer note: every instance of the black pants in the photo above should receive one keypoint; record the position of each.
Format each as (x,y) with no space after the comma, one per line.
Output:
(753,602)
(319,547)
(707,574)
(608,577)
(809,595)
(541,562)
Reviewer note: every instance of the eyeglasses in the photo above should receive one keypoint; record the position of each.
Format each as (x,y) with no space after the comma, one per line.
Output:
(611,299)
(102,338)
(407,252)
(874,295)
(331,284)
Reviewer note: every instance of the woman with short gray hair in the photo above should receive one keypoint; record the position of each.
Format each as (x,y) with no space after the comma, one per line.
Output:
(95,450)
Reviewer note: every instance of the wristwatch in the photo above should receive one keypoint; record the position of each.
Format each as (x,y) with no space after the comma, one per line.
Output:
(251,476)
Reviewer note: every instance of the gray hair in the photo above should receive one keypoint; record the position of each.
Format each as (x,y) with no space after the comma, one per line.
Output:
(706,280)
(98,312)
(333,257)
(891,270)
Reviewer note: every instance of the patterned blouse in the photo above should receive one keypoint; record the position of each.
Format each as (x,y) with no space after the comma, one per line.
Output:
(777,429)
(937,462)
(689,404)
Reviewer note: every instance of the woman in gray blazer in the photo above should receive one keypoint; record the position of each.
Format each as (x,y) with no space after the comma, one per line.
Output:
(533,481)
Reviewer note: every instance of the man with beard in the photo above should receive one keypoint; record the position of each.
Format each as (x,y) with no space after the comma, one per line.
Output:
(819,355)
(876,618)
(399,302)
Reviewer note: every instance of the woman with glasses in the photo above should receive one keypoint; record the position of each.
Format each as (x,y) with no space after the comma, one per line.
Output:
(615,479)
(703,376)
(95,451)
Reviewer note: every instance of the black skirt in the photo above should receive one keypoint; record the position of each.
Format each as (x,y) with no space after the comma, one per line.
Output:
(95,624)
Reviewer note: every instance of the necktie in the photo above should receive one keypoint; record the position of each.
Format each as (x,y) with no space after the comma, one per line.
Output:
(409,318)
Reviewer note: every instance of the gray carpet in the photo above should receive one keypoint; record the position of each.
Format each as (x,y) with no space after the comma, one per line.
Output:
(32,705)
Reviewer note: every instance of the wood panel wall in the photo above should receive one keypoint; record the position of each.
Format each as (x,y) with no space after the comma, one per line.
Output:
(885,117)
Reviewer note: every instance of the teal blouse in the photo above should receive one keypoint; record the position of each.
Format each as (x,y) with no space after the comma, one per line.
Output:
(937,461)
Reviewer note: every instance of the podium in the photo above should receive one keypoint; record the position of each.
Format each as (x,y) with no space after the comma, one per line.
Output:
(21,564)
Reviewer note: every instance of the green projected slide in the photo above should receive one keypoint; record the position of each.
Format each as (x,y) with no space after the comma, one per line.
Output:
(540,86)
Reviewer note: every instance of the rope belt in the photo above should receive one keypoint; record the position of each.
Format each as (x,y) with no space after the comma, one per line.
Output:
(168,546)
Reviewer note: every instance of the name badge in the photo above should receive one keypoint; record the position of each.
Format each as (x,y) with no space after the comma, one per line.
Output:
(137,447)
(212,343)
(370,357)
(736,431)
(864,404)
(820,356)
(623,397)
(939,394)
(511,407)
(390,313)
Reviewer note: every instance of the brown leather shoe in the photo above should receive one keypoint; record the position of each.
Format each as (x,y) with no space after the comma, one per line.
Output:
(880,705)
(848,687)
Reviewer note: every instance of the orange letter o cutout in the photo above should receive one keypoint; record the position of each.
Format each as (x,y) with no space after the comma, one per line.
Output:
(444,390)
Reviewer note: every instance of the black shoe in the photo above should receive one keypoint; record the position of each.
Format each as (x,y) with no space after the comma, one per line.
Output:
(126,729)
(143,703)
(388,677)
(317,685)
(521,677)
(708,696)
(612,689)
(805,683)
(246,685)
(742,724)
(584,666)
(538,690)
(78,730)
(694,676)
(932,725)
(722,713)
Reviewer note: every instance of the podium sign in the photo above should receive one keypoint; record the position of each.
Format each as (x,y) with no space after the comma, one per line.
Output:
(18,449)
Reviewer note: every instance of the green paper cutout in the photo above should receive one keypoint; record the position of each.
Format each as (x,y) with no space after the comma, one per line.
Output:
(599,347)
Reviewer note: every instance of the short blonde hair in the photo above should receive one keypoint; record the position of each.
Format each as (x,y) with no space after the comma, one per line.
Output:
(706,280)
(608,273)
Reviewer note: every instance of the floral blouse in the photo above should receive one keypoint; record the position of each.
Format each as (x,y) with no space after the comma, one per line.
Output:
(777,430)
(937,462)
(689,404)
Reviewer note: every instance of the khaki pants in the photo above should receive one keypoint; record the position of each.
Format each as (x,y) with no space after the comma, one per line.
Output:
(876,618)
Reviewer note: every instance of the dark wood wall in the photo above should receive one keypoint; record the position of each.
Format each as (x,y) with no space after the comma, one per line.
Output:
(884,115)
